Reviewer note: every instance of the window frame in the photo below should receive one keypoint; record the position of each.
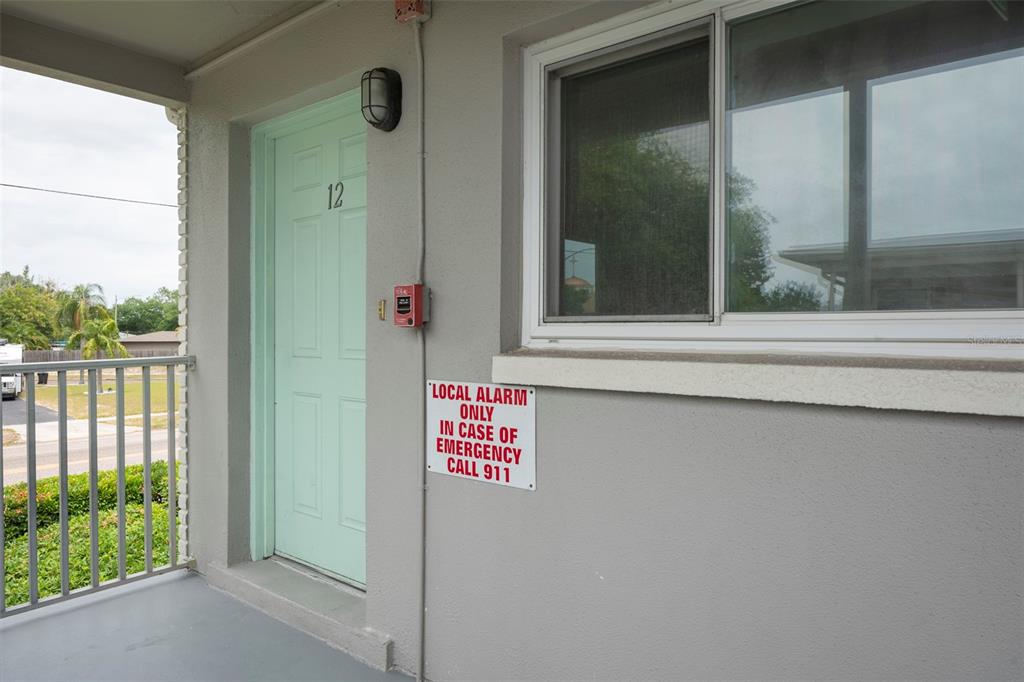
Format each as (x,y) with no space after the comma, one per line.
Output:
(995,333)
(675,35)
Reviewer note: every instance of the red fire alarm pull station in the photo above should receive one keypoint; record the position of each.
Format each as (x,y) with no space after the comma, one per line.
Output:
(412,10)
(412,305)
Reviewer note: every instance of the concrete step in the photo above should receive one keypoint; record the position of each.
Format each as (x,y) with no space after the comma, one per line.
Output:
(307,601)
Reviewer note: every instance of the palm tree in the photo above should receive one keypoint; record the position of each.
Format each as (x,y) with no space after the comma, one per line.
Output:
(99,335)
(78,306)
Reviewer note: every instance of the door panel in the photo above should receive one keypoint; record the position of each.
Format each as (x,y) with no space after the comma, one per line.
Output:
(352,507)
(306,277)
(320,345)
(305,455)
(353,286)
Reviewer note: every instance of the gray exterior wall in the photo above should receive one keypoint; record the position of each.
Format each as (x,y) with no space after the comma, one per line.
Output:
(669,537)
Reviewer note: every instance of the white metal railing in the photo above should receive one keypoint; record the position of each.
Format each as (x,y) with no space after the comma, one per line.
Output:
(93,367)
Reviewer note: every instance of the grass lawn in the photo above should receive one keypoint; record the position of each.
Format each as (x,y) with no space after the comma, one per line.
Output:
(16,552)
(156,422)
(11,436)
(106,403)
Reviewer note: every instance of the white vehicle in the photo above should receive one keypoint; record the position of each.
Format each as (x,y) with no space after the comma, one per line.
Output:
(10,354)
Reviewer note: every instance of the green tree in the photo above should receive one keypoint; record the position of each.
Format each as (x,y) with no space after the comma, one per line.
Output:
(169,303)
(99,335)
(140,315)
(27,315)
(646,184)
(645,207)
(750,262)
(573,300)
(83,303)
(10,279)
(157,313)
(791,296)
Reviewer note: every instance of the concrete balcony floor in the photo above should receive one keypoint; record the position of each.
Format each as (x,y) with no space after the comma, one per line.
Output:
(171,627)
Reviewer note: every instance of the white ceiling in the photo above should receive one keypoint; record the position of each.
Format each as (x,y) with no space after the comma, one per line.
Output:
(184,32)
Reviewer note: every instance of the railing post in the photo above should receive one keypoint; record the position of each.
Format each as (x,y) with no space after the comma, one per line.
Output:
(147,455)
(122,520)
(62,437)
(3,537)
(33,540)
(94,502)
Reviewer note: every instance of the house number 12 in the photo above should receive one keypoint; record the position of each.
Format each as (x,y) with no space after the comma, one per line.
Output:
(334,193)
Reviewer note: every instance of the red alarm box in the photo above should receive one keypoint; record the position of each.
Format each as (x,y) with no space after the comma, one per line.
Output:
(412,305)
(412,10)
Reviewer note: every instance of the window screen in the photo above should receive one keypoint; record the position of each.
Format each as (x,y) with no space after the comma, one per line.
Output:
(629,219)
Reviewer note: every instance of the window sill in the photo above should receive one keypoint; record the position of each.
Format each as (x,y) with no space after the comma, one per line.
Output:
(986,387)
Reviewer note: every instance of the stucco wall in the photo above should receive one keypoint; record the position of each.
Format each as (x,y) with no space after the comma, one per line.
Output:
(668,537)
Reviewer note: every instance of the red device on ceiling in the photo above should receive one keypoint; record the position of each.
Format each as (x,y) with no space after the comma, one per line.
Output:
(411,10)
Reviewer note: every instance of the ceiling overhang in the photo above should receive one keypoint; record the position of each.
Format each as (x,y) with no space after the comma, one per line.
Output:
(141,49)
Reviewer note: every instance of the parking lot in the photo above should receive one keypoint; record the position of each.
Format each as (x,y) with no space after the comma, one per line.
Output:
(15,412)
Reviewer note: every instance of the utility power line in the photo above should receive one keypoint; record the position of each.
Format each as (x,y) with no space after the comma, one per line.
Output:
(88,196)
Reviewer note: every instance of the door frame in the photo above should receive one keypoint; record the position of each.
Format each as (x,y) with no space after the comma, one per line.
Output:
(261,282)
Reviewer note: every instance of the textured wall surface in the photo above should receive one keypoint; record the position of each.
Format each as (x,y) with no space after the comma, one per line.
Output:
(732,539)
(669,537)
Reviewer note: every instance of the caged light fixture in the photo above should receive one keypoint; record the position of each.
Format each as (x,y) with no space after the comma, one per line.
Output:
(382,98)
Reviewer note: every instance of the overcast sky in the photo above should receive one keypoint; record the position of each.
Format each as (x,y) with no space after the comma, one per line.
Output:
(67,137)
(946,157)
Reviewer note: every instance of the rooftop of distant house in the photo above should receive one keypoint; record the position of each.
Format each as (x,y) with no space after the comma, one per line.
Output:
(151,337)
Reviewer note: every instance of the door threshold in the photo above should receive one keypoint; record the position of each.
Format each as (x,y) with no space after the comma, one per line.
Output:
(307,600)
(318,573)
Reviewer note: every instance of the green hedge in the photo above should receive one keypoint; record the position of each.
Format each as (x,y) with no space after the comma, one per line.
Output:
(16,552)
(48,496)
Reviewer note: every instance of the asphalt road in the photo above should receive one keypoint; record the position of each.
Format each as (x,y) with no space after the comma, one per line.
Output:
(16,412)
(47,462)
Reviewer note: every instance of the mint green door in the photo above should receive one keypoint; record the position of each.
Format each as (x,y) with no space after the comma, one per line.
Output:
(320,348)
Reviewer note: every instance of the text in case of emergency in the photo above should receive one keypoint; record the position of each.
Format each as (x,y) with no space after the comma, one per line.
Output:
(485,432)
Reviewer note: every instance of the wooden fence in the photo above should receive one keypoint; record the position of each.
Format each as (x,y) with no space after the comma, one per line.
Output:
(75,355)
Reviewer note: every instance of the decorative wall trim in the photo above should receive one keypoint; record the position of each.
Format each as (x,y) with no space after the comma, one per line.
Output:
(179,117)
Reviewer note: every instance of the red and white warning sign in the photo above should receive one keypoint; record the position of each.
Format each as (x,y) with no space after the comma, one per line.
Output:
(485,432)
